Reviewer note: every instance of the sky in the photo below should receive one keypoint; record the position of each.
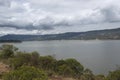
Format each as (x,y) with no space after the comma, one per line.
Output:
(57,16)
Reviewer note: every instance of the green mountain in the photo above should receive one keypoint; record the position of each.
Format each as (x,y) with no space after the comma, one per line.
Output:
(112,34)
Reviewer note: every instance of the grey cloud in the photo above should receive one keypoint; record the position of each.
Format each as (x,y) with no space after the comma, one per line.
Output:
(111,14)
(27,27)
(47,23)
(50,22)
(5,3)
(8,30)
(53,15)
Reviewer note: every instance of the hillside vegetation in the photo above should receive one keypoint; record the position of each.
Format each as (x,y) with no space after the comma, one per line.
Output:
(109,34)
(17,65)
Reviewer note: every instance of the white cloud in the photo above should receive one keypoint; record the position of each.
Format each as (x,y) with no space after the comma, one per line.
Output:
(56,16)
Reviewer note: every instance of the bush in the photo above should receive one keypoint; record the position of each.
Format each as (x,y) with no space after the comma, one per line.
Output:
(69,68)
(87,75)
(75,66)
(25,73)
(22,58)
(34,59)
(114,75)
(19,60)
(8,51)
(47,62)
(65,71)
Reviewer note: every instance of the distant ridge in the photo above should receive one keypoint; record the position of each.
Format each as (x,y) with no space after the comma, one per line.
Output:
(112,34)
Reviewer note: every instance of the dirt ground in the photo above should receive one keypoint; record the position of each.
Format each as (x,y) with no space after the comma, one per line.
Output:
(4,68)
(60,78)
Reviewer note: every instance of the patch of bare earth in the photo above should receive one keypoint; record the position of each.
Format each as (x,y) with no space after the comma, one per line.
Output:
(60,78)
(4,68)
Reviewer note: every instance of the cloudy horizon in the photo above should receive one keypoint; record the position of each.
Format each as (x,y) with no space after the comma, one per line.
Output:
(57,16)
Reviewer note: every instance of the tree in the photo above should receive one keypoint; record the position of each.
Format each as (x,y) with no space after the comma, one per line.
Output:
(25,73)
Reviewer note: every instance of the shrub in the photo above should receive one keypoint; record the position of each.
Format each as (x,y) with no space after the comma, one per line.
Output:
(19,60)
(47,62)
(114,75)
(8,51)
(65,70)
(87,75)
(75,66)
(25,73)
(69,68)
(34,59)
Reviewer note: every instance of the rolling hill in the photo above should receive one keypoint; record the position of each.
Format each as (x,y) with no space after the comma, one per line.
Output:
(112,34)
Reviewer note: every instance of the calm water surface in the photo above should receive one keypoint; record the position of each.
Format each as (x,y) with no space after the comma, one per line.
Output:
(99,56)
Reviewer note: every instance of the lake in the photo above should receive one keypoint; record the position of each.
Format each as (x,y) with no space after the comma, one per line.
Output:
(97,55)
